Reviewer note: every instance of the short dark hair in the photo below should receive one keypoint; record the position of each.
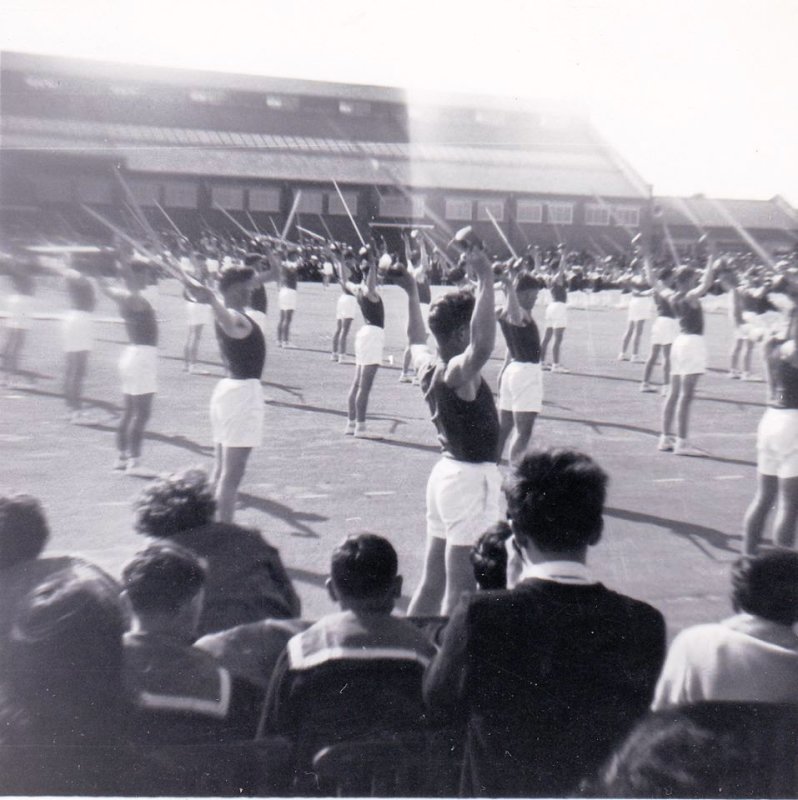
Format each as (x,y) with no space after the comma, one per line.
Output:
(450,312)
(233,275)
(489,557)
(363,566)
(23,529)
(556,497)
(162,578)
(526,282)
(767,585)
(683,275)
(175,503)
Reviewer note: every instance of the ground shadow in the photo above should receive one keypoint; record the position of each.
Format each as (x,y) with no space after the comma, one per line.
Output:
(698,535)
(280,511)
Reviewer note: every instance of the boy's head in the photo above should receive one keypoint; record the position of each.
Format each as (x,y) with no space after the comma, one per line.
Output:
(450,320)
(23,529)
(363,574)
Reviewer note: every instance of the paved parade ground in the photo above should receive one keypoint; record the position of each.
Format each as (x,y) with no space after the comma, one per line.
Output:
(672,524)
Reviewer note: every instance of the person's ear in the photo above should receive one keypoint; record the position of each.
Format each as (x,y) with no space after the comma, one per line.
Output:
(331,590)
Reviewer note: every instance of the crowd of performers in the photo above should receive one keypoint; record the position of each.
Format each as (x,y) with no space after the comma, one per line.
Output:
(224,286)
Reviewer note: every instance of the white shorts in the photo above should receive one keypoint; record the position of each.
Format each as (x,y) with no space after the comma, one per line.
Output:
(19,308)
(138,368)
(77,331)
(640,308)
(521,387)
(556,315)
(777,443)
(346,307)
(688,355)
(368,345)
(462,500)
(664,330)
(286,300)
(237,413)
(198,314)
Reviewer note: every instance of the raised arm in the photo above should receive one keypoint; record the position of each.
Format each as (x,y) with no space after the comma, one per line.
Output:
(371,280)
(467,366)
(706,281)
(512,309)
(416,331)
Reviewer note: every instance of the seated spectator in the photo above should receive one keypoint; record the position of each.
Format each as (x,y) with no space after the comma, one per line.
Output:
(23,534)
(550,675)
(706,750)
(354,672)
(63,706)
(181,693)
(489,557)
(246,580)
(752,656)
(251,651)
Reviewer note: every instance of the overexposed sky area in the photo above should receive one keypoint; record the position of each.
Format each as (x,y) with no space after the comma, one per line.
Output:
(699,95)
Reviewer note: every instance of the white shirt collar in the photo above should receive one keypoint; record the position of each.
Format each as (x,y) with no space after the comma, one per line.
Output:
(568,572)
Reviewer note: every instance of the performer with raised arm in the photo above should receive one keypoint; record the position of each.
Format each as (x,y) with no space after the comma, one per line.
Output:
(369,344)
(138,365)
(18,322)
(345,307)
(777,440)
(198,315)
(521,378)
(289,279)
(663,334)
(688,353)
(639,311)
(78,339)
(237,401)
(420,273)
(463,488)
(556,316)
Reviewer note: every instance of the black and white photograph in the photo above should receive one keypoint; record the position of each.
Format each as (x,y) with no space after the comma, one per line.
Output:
(399,399)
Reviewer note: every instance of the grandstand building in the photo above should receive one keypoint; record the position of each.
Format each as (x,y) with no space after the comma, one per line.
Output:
(196,142)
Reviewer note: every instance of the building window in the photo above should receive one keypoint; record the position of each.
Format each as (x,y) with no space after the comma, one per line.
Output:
(282,102)
(459,209)
(230,198)
(399,205)
(529,211)
(354,108)
(310,203)
(561,213)
(180,194)
(335,206)
(495,207)
(596,214)
(626,215)
(266,200)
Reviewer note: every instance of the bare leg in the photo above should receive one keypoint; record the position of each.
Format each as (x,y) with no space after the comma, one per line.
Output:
(339,324)
(352,399)
(666,363)
(289,315)
(735,355)
(506,423)
(406,362)
(627,336)
(749,349)
(344,334)
(234,462)
(757,512)
(459,576)
(218,454)
(364,390)
(281,327)
(545,343)
(555,350)
(638,335)
(124,423)
(652,360)
(428,597)
(669,406)
(142,408)
(684,404)
(524,423)
(786,513)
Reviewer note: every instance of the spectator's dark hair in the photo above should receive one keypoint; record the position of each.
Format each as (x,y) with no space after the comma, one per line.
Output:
(64,660)
(489,557)
(176,503)
(23,529)
(767,586)
(684,275)
(450,312)
(233,275)
(162,578)
(363,566)
(703,750)
(556,497)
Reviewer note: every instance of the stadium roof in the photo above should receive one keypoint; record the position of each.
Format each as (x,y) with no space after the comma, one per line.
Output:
(706,212)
